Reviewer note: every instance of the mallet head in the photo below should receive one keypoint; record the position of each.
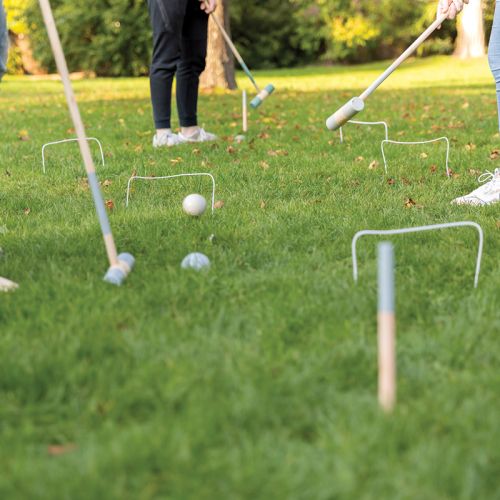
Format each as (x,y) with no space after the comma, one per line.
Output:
(345,113)
(262,96)
(116,274)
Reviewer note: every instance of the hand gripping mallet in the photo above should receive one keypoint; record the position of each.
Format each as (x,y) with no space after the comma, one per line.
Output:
(357,104)
(120,265)
(262,94)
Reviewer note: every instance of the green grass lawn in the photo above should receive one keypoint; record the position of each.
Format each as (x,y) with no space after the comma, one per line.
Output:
(257,379)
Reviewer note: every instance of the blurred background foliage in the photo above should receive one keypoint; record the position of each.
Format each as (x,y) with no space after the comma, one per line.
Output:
(113,37)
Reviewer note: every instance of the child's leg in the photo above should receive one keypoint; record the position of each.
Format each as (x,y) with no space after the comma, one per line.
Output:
(192,62)
(494,52)
(166,20)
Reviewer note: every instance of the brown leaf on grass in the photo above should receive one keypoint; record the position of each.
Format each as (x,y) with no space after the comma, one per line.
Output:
(219,204)
(401,133)
(277,152)
(433,169)
(56,450)
(70,131)
(410,203)
(465,105)
(470,146)
(373,165)
(262,204)
(359,158)
(110,205)
(475,172)
(139,148)
(494,154)
(175,161)
(424,156)
(405,181)
(27,211)
(391,182)
(106,183)
(231,150)
(263,135)
(196,151)
(23,135)
(264,165)
(7,173)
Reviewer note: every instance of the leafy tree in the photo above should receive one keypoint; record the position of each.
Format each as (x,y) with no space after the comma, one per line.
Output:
(110,37)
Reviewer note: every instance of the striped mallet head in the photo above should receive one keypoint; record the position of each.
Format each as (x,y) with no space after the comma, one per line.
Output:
(262,96)
(345,113)
(117,273)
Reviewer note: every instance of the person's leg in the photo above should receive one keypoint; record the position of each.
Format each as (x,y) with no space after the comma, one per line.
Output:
(4,41)
(191,65)
(166,20)
(494,52)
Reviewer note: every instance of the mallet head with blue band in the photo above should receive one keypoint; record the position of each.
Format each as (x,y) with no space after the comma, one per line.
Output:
(262,96)
(117,273)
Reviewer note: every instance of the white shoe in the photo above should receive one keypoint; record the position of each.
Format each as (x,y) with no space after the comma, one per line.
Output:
(201,135)
(166,139)
(487,194)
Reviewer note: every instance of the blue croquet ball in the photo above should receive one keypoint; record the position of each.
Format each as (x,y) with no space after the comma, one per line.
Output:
(196,261)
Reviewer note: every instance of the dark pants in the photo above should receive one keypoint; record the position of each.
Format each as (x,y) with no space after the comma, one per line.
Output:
(180,30)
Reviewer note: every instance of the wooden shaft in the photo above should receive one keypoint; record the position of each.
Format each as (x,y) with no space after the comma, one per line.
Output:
(245,111)
(402,58)
(76,118)
(235,52)
(386,361)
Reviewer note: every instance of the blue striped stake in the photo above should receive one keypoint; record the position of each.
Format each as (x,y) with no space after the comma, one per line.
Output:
(386,328)
(262,94)
(120,265)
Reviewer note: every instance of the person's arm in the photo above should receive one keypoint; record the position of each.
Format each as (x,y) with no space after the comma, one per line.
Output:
(208,6)
(450,7)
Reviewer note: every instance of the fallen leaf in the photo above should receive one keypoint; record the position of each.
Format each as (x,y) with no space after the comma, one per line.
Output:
(409,203)
(56,450)
(264,165)
(474,172)
(470,147)
(495,154)
(263,135)
(262,204)
(110,205)
(27,211)
(391,182)
(219,204)
(400,133)
(231,150)
(196,151)
(359,158)
(433,169)
(465,105)
(174,161)
(24,135)
(424,156)
(373,165)
(106,183)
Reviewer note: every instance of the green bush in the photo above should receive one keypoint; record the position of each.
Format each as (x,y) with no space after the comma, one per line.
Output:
(109,37)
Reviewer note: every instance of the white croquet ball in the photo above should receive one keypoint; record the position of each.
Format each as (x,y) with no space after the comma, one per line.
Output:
(194,204)
(239,138)
(196,261)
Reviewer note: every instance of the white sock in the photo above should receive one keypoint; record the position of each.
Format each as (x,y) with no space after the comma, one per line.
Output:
(162,131)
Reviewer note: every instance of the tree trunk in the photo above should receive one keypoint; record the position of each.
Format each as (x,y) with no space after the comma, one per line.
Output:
(471,38)
(219,72)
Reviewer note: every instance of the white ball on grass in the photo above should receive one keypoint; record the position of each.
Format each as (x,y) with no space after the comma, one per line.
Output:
(194,204)
(239,138)
(196,261)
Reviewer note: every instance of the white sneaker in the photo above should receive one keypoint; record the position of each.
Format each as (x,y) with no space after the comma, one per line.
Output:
(487,194)
(166,139)
(201,135)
